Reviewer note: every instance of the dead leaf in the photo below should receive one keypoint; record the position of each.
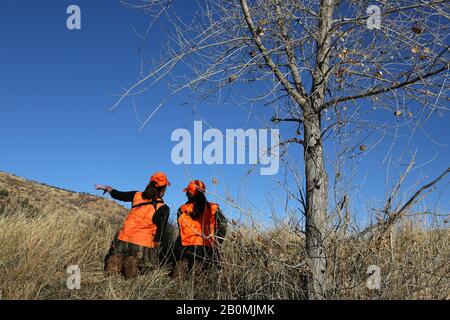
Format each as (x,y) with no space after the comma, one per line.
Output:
(343,54)
(415,50)
(260,31)
(341,72)
(232,78)
(417,29)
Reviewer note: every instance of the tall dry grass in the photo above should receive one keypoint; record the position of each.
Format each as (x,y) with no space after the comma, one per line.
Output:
(37,246)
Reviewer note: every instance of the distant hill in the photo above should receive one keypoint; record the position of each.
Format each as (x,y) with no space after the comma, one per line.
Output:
(39,194)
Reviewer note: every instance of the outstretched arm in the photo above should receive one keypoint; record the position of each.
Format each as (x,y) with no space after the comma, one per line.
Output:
(118,195)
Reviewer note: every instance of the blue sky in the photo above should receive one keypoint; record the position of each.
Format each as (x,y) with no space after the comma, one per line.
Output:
(56,86)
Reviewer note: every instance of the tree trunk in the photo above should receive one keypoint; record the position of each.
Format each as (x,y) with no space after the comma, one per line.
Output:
(316,176)
(316,206)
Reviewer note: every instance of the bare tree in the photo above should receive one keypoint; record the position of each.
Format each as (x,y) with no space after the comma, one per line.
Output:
(314,58)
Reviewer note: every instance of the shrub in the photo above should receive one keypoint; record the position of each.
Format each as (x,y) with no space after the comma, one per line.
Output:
(4,193)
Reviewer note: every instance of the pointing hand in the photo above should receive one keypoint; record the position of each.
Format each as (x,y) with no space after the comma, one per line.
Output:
(104,188)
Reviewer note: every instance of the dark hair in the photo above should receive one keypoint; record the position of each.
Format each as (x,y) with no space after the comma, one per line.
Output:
(199,201)
(153,192)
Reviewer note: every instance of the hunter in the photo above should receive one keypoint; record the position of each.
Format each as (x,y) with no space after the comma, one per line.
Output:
(137,247)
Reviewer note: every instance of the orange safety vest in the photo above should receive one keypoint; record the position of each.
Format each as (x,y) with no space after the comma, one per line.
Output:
(138,227)
(197,231)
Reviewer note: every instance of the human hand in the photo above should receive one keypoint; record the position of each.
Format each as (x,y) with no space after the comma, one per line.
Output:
(104,188)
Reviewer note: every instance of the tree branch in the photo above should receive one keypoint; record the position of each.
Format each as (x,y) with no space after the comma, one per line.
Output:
(264,52)
(292,61)
(393,218)
(373,91)
(323,52)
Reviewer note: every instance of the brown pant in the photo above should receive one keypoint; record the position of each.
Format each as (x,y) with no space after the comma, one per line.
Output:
(193,259)
(130,259)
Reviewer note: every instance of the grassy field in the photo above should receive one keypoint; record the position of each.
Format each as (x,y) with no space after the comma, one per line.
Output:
(38,244)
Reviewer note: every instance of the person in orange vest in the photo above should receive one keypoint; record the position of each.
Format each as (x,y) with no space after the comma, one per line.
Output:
(202,227)
(137,245)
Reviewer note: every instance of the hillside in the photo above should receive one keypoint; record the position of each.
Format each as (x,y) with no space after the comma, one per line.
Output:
(71,229)
(38,195)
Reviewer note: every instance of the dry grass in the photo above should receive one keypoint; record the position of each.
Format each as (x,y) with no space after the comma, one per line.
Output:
(36,249)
